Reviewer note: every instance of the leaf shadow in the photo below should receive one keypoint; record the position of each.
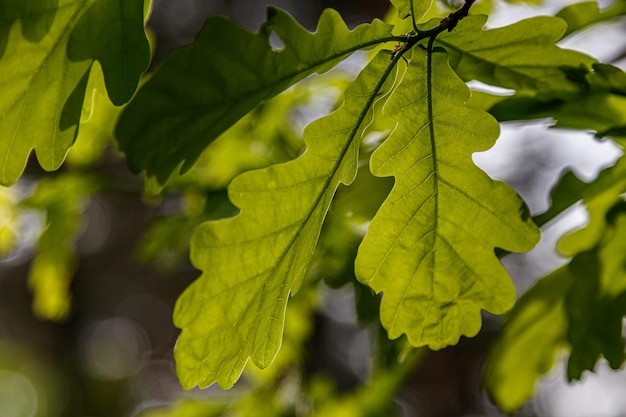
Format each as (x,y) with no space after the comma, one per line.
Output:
(36,18)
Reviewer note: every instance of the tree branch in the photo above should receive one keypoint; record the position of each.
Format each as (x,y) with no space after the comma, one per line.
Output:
(447,23)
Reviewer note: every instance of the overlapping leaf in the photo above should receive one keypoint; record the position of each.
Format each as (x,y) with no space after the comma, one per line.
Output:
(430,248)
(254,261)
(596,303)
(599,199)
(532,336)
(414,8)
(522,56)
(601,112)
(579,16)
(44,64)
(202,90)
(579,307)
(599,104)
(602,192)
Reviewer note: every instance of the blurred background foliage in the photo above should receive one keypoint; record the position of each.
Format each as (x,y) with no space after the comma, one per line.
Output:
(93,259)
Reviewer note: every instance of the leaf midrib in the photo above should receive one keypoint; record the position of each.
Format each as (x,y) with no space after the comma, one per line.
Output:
(433,145)
(477,57)
(68,27)
(276,84)
(344,150)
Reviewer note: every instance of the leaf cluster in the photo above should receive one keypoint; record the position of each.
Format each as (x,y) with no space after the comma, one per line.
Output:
(381,193)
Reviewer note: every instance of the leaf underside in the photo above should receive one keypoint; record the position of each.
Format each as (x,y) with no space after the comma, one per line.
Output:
(527,349)
(45,60)
(599,198)
(522,56)
(580,306)
(202,90)
(599,105)
(581,15)
(596,304)
(253,262)
(430,247)
(571,189)
(414,8)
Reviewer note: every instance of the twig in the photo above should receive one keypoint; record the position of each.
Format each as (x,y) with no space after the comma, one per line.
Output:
(447,23)
(453,18)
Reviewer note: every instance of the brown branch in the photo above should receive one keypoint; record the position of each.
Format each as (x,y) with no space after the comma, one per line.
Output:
(447,23)
(453,18)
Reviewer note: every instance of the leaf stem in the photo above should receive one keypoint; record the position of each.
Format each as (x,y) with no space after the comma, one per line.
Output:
(447,23)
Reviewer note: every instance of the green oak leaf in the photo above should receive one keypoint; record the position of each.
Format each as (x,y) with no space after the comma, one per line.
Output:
(522,56)
(112,33)
(48,49)
(579,16)
(579,308)
(353,208)
(596,303)
(202,90)
(599,199)
(601,112)
(598,105)
(415,8)
(97,122)
(533,334)
(430,247)
(403,7)
(608,78)
(571,189)
(254,261)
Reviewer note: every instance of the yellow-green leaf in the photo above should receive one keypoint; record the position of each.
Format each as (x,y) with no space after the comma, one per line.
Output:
(430,247)
(522,56)
(598,199)
(579,16)
(202,90)
(48,49)
(253,262)
(414,8)
(533,334)
(578,308)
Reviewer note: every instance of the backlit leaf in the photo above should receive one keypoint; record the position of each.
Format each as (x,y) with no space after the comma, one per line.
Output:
(596,303)
(96,125)
(44,65)
(579,308)
(533,334)
(254,261)
(414,8)
(430,247)
(571,189)
(579,16)
(202,90)
(598,201)
(599,105)
(522,56)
